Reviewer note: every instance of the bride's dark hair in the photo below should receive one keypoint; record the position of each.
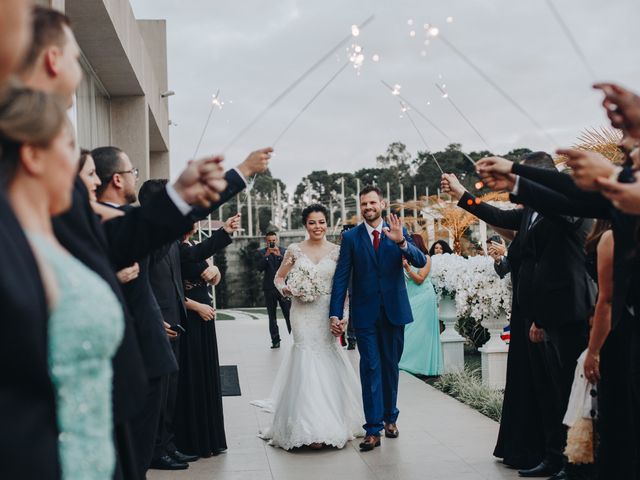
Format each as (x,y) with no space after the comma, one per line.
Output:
(316,207)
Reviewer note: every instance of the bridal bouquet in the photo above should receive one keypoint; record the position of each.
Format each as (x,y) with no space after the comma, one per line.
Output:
(304,284)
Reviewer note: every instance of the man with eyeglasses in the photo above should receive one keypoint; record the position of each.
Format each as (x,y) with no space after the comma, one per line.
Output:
(118,176)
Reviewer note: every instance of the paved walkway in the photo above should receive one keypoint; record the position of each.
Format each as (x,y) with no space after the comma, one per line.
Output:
(440,438)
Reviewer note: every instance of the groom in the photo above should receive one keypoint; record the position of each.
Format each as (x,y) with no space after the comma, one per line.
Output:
(372,255)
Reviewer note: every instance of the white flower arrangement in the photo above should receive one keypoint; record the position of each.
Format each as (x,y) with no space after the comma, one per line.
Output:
(304,284)
(478,290)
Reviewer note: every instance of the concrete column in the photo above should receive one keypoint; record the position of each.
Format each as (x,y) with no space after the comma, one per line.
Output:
(159,164)
(130,131)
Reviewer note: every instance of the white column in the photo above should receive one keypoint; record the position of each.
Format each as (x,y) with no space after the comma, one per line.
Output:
(249,214)
(358,199)
(342,207)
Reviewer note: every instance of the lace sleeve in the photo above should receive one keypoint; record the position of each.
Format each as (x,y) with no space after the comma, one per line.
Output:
(285,267)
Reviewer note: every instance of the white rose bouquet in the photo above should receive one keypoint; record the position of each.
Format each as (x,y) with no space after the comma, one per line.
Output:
(304,284)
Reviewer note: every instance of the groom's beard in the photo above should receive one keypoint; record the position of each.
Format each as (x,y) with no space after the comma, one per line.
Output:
(372,216)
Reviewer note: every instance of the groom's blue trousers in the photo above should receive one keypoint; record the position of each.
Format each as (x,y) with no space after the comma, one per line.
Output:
(380,347)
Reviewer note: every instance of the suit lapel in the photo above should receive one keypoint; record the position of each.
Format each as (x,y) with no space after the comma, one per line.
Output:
(368,244)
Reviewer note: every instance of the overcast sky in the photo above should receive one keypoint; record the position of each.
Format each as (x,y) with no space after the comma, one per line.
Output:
(251,50)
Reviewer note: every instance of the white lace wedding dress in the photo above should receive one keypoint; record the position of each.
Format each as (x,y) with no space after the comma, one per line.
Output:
(316,397)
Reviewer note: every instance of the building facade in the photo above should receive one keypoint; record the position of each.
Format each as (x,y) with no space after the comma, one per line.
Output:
(120,101)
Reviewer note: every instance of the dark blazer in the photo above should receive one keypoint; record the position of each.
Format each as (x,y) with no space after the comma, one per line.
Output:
(29,439)
(376,278)
(106,247)
(269,265)
(157,354)
(166,273)
(548,190)
(552,281)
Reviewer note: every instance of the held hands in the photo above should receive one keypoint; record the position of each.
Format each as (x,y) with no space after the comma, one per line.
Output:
(450,184)
(623,107)
(496,173)
(337,326)
(128,274)
(394,230)
(232,224)
(256,162)
(587,167)
(202,181)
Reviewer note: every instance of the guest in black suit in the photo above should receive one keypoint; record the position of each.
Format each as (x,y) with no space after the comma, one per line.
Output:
(553,292)
(117,178)
(199,419)
(618,398)
(270,260)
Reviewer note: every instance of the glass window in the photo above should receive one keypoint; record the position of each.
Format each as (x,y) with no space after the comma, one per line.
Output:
(93,110)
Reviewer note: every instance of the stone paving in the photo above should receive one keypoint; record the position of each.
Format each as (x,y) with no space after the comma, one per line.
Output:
(440,438)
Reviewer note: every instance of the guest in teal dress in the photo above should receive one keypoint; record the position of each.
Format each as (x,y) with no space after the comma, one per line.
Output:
(422,351)
(38,167)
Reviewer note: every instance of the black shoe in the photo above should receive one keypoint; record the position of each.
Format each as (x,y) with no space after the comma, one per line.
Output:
(352,345)
(168,463)
(543,469)
(561,475)
(275,344)
(182,457)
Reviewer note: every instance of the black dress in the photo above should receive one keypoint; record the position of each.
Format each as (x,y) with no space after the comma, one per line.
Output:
(199,420)
(520,439)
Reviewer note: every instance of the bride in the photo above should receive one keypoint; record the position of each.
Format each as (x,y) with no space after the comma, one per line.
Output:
(316,398)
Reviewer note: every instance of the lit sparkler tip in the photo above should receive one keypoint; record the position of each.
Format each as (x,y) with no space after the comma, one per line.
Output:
(412,33)
(357,48)
(355,31)
(423,53)
(396,89)
(479,185)
(375,57)
(410,22)
(433,31)
(449,19)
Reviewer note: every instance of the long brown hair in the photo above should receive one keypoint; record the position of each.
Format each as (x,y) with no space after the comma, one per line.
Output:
(419,241)
(27,117)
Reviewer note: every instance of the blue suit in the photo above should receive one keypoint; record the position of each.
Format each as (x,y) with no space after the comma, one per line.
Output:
(380,308)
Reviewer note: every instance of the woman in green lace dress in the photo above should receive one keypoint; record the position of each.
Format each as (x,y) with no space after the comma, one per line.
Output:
(422,351)
(85,326)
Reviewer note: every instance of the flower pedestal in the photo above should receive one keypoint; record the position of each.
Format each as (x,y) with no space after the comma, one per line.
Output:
(452,342)
(494,353)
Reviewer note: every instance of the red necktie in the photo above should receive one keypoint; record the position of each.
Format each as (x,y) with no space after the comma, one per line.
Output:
(376,240)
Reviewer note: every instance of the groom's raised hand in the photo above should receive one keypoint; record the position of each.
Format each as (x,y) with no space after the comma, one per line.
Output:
(394,230)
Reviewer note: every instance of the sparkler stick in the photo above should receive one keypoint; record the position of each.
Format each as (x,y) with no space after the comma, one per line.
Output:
(446,95)
(408,103)
(214,103)
(310,102)
(497,87)
(572,39)
(295,83)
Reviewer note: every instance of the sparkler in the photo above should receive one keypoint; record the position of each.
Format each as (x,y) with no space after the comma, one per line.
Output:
(572,39)
(355,31)
(446,95)
(497,87)
(396,91)
(215,102)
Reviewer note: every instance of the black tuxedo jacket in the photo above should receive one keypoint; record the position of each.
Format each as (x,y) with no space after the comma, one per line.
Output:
(548,190)
(110,246)
(29,438)
(166,272)
(157,354)
(552,282)
(270,265)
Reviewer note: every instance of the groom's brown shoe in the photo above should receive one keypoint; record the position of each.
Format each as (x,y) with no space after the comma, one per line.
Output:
(391,430)
(369,443)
